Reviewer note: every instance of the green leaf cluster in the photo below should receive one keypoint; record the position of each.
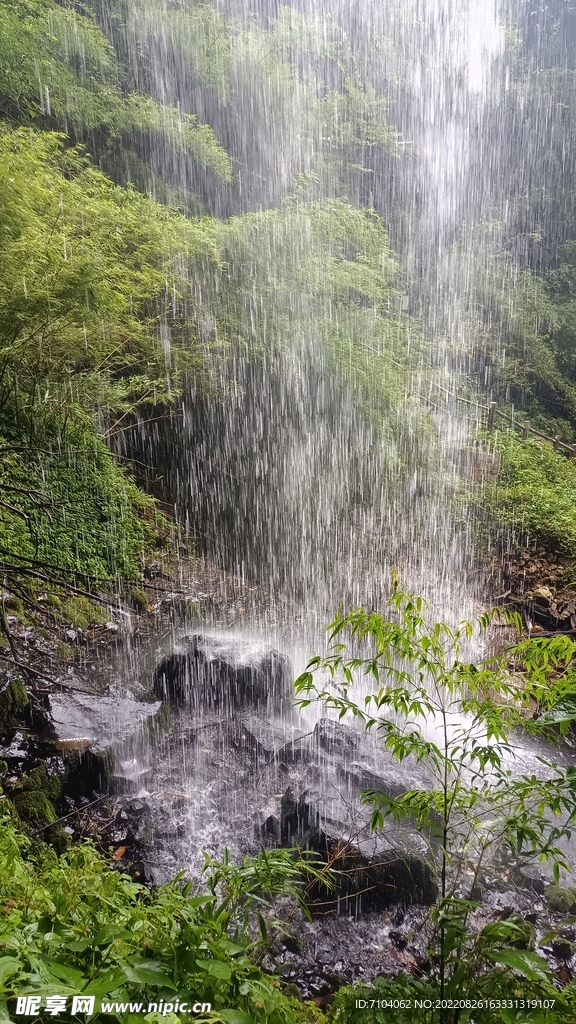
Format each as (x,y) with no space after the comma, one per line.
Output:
(58,70)
(535,495)
(93,277)
(326,269)
(96,320)
(430,706)
(72,924)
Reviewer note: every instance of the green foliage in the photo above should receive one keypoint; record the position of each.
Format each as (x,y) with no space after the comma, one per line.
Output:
(429,705)
(327,271)
(82,613)
(94,287)
(530,353)
(13,701)
(535,493)
(308,104)
(249,888)
(72,924)
(58,69)
(69,504)
(91,272)
(199,33)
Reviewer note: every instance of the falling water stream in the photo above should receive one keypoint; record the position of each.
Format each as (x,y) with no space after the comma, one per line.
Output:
(293,494)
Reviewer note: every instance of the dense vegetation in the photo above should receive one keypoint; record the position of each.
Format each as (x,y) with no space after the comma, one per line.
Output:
(323,154)
(71,925)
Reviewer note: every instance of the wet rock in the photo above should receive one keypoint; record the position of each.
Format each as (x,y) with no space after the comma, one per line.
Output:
(362,776)
(336,738)
(266,739)
(542,595)
(223,673)
(373,871)
(299,822)
(270,830)
(292,942)
(88,774)
(16,751)
(563,949)
(529,876)
(133,823)
(154,572)
(130,776)
(107,720)
(399,940)
(135,807)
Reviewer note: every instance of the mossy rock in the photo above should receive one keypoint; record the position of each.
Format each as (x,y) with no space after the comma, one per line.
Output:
(527,937)
(33,798)
(159,723)
(560,899)
(56,837)
(13,702)
(40,780)
(34,806)
(89,773)
(139,599)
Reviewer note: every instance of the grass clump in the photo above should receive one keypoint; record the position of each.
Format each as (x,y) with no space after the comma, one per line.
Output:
(83,613)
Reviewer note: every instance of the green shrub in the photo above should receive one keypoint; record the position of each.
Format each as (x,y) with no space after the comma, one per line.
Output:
(74,507)
(535,494)
(415,674)
(73,924)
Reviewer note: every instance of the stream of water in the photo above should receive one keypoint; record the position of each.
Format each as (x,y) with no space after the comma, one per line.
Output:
(286,482)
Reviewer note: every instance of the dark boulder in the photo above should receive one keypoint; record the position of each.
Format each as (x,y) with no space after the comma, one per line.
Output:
(334,737)
(369,880)
(372,870)
(270,830)
(220,673)
(299,822)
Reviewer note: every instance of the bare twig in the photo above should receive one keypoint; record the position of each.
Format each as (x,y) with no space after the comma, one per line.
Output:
(27,668)
(7,568)
(78,810)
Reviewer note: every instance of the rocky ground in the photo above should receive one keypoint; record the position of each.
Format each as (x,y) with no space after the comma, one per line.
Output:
(73,690)
(539,584)
(95,741)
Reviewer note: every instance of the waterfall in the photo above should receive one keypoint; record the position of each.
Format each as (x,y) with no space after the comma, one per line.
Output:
(285,477)
(290,469)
